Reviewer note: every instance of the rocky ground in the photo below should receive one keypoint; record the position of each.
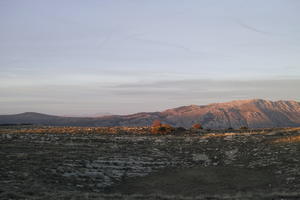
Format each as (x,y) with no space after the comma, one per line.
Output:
(82,163)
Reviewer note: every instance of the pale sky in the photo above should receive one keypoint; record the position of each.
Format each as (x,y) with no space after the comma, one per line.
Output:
(72,57)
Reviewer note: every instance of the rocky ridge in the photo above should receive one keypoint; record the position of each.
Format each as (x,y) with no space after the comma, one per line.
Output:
(256,113)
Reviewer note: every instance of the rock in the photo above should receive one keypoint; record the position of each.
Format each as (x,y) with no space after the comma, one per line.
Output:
(201,157)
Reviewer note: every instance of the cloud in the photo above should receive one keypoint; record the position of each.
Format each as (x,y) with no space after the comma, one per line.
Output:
(141,96)
(221,89)
(252,28)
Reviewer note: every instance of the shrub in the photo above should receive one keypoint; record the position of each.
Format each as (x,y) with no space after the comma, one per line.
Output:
(197,126)
(180,129)
(230,129)
(244,128)
(156,123)
(162,129)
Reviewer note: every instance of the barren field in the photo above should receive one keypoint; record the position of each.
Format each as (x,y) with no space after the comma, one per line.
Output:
(130,163)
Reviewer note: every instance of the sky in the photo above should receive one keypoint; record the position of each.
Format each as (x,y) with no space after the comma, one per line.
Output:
(82,57)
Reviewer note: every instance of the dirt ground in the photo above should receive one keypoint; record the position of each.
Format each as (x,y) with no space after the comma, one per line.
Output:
(248,164)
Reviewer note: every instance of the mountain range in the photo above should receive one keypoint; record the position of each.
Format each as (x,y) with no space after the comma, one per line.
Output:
(255,113)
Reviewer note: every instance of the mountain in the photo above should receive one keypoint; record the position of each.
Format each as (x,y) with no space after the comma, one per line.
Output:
(256,113)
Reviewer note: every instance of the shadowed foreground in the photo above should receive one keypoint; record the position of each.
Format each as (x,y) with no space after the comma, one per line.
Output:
(55,164)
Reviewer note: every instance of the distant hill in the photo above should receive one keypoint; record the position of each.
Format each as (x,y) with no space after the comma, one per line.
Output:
(256,113)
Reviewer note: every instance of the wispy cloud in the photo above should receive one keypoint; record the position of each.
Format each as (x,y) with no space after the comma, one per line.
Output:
(146,96)
(142,37)
(251,28)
